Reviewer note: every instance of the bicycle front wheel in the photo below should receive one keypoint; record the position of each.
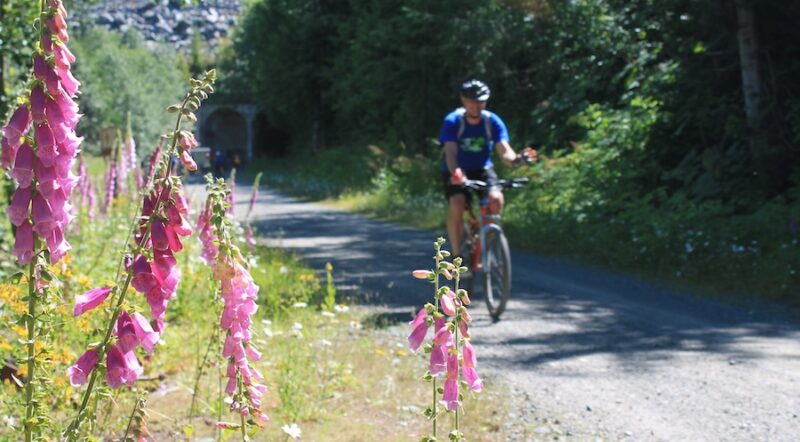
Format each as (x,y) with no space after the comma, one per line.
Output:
(496,273)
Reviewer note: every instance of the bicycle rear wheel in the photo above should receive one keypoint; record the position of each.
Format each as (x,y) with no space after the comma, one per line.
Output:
(496,273)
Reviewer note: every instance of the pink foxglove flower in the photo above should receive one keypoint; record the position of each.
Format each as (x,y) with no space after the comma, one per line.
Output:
(79,372)
(442,338)
(90,300)
(474,381)
(23,166)
(18,126)
(7,154)
(122,367)
(450,395)
(448,303)
(419,328)
(463,328)
(38,97)
(143,279)
(63,56)
(134,331)
(19,208)
(127,340)
(188,141)
(144,332)
(23,245)
(188,162)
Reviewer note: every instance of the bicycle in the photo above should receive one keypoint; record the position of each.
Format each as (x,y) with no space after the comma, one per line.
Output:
(485,249)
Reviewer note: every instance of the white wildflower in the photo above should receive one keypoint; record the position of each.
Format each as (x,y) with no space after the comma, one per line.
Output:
(292,430)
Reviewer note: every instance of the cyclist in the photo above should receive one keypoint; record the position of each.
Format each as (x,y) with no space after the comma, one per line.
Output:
(468,136)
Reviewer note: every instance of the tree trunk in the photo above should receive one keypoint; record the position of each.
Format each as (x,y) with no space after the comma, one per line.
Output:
(751,90)
(748,55)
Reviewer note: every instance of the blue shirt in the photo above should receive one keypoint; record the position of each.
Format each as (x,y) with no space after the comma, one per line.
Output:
(474,146)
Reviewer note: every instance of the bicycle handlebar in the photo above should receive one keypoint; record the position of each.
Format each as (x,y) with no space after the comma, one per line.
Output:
(505,184)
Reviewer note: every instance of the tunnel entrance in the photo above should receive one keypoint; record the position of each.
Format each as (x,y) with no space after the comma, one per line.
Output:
(225,130)
(268,140)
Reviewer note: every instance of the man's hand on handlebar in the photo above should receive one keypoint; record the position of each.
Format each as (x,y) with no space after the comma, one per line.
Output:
(457,178)
(527,156)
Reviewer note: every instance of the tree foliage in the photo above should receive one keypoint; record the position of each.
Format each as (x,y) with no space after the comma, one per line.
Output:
(16,47)
(120,75)
(387,70)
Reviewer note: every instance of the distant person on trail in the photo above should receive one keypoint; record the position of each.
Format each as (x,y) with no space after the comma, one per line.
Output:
(468,136)
(218,164)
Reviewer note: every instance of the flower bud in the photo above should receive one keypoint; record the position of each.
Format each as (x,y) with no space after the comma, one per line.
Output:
(422,274)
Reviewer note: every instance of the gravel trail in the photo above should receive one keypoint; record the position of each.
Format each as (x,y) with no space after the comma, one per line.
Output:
(589,354)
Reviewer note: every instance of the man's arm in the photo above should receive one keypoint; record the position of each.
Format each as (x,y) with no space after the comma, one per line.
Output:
(507,154)
(451,156)
(509,157)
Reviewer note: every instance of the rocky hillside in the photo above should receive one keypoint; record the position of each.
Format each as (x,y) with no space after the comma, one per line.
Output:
(164,20)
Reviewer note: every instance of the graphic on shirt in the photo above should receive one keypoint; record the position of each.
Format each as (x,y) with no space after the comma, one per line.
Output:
(473,144)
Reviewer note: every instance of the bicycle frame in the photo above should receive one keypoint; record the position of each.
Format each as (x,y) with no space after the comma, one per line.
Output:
(488,222)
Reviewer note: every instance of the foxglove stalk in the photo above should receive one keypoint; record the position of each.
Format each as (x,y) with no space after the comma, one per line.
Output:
(110,189)
(208,237)
(83,179)
(238,292)
(250,239)
(452,356)
(149,266)
(91,205)
(40,139)
(157,276)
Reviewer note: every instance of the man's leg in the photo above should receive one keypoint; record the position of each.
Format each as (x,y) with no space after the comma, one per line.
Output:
(496,202)
(455,222)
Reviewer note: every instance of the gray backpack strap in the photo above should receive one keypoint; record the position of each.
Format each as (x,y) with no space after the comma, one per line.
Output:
(487,121)
(461,111)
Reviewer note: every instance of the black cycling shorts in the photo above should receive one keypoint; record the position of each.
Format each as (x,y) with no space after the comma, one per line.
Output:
(486,175)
